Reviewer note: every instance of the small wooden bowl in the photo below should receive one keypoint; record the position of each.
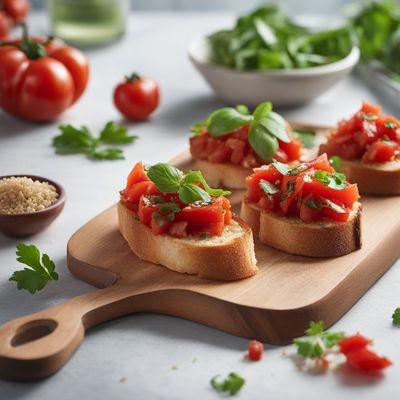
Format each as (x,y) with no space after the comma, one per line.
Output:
(27,224)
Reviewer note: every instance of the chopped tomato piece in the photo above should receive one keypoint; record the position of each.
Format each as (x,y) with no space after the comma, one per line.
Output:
(322,163)
(138,174)
(178,229)
(255,350)
(369,108)
(366,360)
(134,192)
(354,342)
(311,209)
(146,209)
(291,149)
(160,224)
(380,152)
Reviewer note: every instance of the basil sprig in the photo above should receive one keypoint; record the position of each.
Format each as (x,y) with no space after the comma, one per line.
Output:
(169,179)
(266,127)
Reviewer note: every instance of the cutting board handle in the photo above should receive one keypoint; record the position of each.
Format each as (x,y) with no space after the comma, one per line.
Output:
(37,345)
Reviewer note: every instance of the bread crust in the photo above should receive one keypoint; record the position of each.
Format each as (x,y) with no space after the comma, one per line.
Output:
(231,176)
(379,179)
(316,239)
(228,258)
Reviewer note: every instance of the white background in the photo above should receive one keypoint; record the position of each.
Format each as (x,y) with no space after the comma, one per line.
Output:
(142,349)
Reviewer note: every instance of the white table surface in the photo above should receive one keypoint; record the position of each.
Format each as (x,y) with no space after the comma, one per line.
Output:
(141,350)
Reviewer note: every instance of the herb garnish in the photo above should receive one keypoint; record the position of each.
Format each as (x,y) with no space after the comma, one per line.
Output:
(336,163)
(316,204)
(390,125)
(396,317)
(266,127)
(317,341)
(369,117)
(336,181)
(169,179)
(290,190)
(307,137)
(285,169)
(231,385)
(81,141)
(40,271)
(267,187)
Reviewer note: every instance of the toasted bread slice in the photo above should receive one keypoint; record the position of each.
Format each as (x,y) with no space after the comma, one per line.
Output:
(227,175)
(380,179)
(228,257)
(316,239)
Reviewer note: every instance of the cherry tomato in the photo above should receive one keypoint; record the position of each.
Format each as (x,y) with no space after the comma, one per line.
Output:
(352,343)
(38,81)
(366,360)
(16,9)
(5,25)
(137,97)
(255,350)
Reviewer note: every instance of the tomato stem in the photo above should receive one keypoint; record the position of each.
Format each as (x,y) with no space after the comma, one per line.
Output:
(32,49)
(132,78)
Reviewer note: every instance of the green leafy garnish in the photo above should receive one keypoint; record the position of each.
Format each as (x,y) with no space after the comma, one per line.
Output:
(390,125)
(81,141)
(307,137)
(40,271)
(369,117)
(317,341)
(396,317)
(290,190)
(265,127)
(169,179)
(336,181)
(336,163)
(267,187)
(231,385)
(268,39)
(285,169)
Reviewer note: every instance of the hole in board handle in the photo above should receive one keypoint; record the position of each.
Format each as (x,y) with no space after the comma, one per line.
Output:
(32,331)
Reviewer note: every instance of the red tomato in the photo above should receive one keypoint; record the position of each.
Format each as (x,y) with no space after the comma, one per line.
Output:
(16,9)
(255,350)
(159,224)
(40,86)
(146,209)
(134,192)
(331,213)
(178,229)
(292,149)
(5,25)
(137,97)
(270,174)
(368,108)
(309,213)
(352,343)
(138,174)
(380,152)
(366,360)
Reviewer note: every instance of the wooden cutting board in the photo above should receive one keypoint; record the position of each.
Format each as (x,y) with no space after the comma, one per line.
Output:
(274,306)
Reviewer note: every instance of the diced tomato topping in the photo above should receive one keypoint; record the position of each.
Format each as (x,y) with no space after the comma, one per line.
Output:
(255,350)
(234,148)
(368,135)
(302,193)
(165,213)
(354,342)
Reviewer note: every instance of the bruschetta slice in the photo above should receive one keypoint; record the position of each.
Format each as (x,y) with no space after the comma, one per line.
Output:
(178,221)
(231,142)
(368,145)
(308,210)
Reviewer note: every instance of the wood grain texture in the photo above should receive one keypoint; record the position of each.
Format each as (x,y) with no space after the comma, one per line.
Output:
(274,306)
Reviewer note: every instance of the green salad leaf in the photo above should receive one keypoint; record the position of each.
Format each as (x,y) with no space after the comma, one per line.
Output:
(231,385)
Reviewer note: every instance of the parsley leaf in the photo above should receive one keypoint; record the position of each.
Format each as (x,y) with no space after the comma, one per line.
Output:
(336,181)
(267,187)
(396,317)
(232,384)
(41,269)
(74,140)
(317,341)
(286,169)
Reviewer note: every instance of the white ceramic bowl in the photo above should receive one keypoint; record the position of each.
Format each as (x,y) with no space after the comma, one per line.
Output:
(283,88)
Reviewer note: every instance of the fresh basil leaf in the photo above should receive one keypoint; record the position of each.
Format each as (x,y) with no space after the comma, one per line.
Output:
(267,187)
(197,176)
(226,120)
(336,181)
(166,177)
(262,142)
(276,126)
(243,109)
(198,127)
(262,110)
(166,207)
(307,137)
(190,193)
(286,169)
(336,163)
